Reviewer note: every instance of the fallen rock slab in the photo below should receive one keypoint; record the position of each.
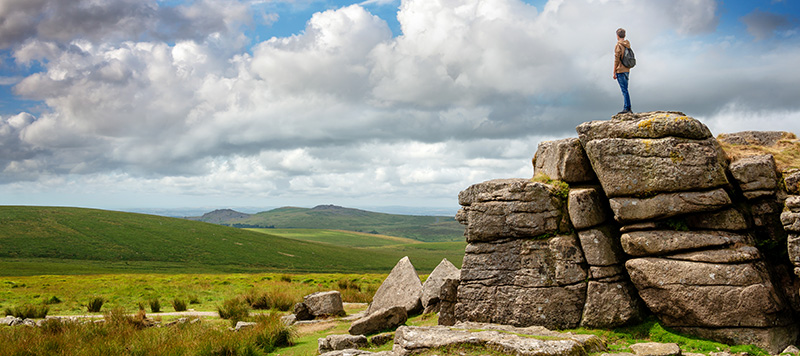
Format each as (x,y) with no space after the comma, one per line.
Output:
(531,341)
(356,352)
(383,319)
(341,342)
(656,349)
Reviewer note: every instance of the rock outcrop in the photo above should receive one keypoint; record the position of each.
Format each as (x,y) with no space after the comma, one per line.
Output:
(655,216)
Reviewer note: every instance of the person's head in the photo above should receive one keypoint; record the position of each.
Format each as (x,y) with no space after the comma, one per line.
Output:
(621,32)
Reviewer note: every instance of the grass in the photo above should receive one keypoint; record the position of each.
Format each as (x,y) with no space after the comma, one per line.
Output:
(28,311)
(620,339)
(786,152)
(338,237)
(127,291)
(126,335)
(42,240)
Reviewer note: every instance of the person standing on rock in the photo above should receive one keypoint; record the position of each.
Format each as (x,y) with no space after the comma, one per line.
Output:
(621,72)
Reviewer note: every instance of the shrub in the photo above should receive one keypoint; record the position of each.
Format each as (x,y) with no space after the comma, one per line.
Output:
(282,300)
(345,284)
(95,304)
(155,305)
(28,311)
(179,305)
(116,317)
(234,310)
(272,332)
(257,300)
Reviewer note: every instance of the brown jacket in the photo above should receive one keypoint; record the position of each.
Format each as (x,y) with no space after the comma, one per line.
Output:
(619,50)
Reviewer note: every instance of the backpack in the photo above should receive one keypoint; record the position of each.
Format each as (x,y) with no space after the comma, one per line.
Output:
(628,59)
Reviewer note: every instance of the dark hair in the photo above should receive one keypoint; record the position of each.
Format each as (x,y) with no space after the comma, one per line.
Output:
(621,32)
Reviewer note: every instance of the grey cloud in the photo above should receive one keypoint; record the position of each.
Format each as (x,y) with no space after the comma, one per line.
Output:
(98,21)
(762,24)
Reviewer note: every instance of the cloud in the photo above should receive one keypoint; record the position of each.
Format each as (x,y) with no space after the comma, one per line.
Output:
(104,20)
(345,109)
(763,25)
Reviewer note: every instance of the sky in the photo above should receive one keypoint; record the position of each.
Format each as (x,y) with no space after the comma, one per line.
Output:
(123,104)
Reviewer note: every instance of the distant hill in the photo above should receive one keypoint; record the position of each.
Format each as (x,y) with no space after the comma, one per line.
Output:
(48,240)
(332,217)
(221,216)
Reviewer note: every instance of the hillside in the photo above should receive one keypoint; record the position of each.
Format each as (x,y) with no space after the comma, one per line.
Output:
(44,240)
(421,228)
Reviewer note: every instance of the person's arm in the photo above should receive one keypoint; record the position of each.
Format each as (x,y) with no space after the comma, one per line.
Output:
(616,60)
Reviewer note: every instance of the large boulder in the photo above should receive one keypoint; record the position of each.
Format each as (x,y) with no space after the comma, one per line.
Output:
(627,167)
(701,294)
(651,125)
(379,320)
(323,304)
(563,160)
(432,287)
(401,288)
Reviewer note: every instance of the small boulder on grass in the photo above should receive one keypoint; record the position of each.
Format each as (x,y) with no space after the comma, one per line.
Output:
(322,304)
(656,349)
(341,342)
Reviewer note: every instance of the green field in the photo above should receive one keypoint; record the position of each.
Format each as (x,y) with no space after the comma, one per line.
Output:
(339,237)
(45,240)
(421,228)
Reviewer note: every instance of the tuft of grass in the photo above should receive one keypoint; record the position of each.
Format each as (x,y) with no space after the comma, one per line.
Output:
(286,278)
(95,304)
(53,300)
(155,305)
(178,304)
(193,299)
(28,311)
(234,309)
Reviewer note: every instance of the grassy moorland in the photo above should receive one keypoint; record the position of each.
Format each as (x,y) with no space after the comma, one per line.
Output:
(44,240)
(421,228)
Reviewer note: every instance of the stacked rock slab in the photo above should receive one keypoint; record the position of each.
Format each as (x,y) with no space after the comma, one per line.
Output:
(611,300)
(693,258)
(521,266)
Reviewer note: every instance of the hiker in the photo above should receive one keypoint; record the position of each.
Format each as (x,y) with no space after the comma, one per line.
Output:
(621,72)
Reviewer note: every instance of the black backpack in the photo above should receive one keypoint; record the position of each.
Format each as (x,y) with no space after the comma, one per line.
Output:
(628,59)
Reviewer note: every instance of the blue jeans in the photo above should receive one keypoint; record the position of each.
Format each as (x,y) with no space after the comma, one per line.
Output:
(622,79)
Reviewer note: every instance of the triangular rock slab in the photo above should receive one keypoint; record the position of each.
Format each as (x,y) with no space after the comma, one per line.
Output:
(401,288)
(433,285)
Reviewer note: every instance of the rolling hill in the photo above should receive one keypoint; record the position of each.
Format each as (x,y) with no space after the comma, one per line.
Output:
(421,228)
(46,240)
